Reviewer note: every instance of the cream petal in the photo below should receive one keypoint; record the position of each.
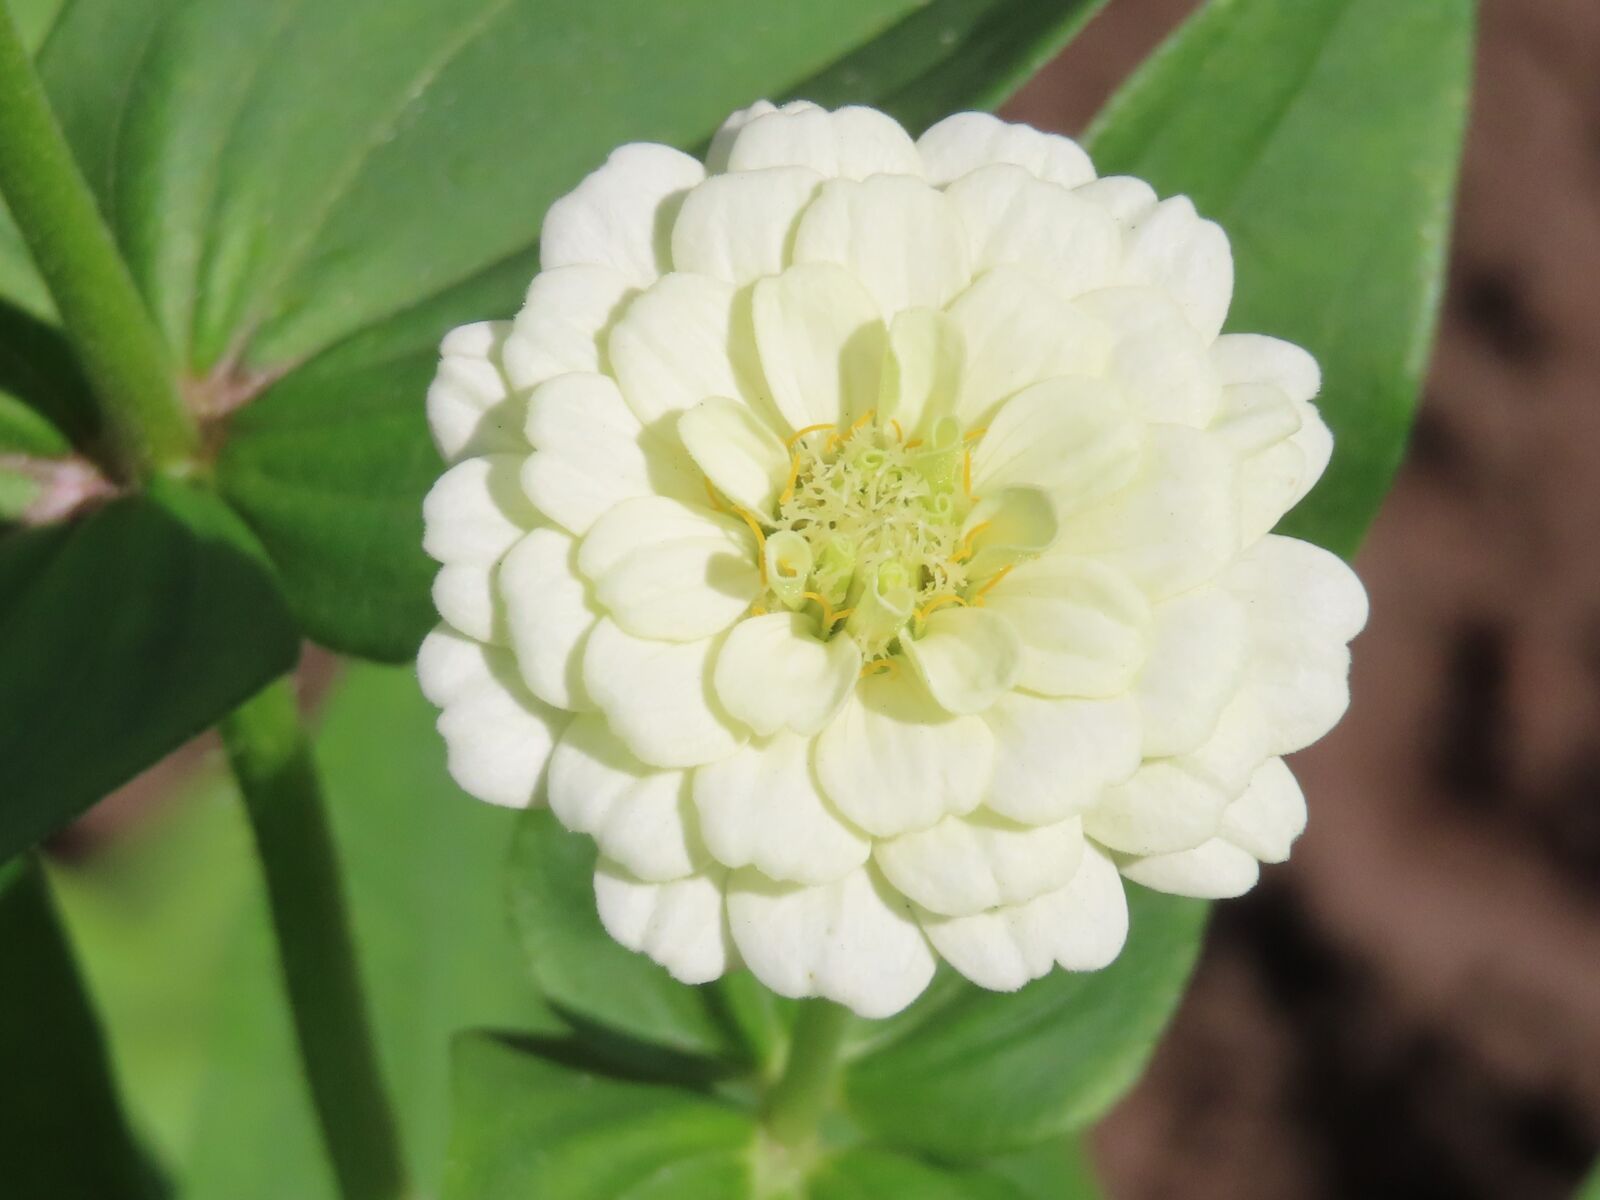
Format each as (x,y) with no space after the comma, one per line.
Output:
(1157,357)
(641,817)
(1016,332)
(476,511)
(739,227)
(1081,927)
(964,865)
(471,408)
(464,595)
(851,143)
(851,941)
(1174,248)
(922,370)
(1267,817)
(1006,527)
(621,215)
(736,451)
(1164,808)
(773,673)
(1255,417)
(683,341)
(549,613)
(1073,438)
(1013,219)
(497,736)
(680,924)
(1257,358)
(1213,870)
(1054,757)
(1127,199)
(564,323)
(1084,626)
(761,807)
(722,141)
(966,141)
(897,235)
(1196,662)
(1278,478)
(657,696)
(821,343)
(1176,525)
(893,761)
(968,657)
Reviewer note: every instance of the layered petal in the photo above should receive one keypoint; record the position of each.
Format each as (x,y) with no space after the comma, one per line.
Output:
(1166,806)
(1197,659)
(966,141)
(1053,758)
(968,657)
(1157,358)
(564,324)
(680,924)
(964,865)
(851,143)
(1173,247)
(476,511)
(471,407)
(1214,870)
(774,673)
(739,227)
(736,450)
(1072,438)
(822,344)
(548,613)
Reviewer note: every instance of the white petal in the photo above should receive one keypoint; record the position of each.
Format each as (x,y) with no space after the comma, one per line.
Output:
(1014,219)
(657,696)
(964,865)
(640,816)
(821,343)
(1172,247)
(679,924)
(621,215)
(1080,927)
(476,511)
(968,657)
(736,451)
(851,143)
(497,736)
(761,807)
(922,370)
(683,341)
(1163,808)
(1294,585)
(722,141)
(1016,332)
(667,570)
(1256,358)
(1084,626)
(1255,417)
(1054,757)
(471,409)
(897,235)
(773,673)
(1073,438)
(1157,357)
(894,761)
(1127,199)
(1275,480)
(1197,658)
(1176,525)
(464,594)
(739,227)
(1213,870)
(563,323)
(548,614)
(1008,526)
(851,940)
(1265,820)
(966,141)
(592,453)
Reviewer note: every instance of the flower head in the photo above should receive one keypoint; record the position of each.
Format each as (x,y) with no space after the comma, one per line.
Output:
(866,542)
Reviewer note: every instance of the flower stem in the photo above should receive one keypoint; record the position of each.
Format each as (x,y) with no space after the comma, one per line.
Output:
(797,1102)
(122,352)
(272,760)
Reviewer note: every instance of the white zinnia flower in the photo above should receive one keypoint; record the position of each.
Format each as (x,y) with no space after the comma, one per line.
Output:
(866,542)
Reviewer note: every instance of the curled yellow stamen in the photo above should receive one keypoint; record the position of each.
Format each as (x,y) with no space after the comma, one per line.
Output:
(977,596)
(761,542)
(794,475)
(806,432)
(964,551)
(711,494)
(937,602)
(973,435)
(913,443)
(879,666)
(899,434)
(829,617)
(966,475)
(861,420)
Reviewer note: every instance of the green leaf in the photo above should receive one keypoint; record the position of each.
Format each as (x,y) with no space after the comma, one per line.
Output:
(592,980)
(526,1126)
(1325,137)
(865,1173)
(987,1073)
(949,56)
(123,634)
(45,407)
(62,1132)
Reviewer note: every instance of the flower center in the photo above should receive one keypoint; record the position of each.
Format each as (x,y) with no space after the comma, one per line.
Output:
(869,532)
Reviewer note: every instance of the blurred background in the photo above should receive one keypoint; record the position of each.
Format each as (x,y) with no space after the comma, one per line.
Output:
(1409,1008)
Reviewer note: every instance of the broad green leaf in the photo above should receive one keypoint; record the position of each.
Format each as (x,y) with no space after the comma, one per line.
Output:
(1591,1186)
(123,634)
(597,983)
(527,1126)
(868,1174)
(62,1133)
(174,930)
(989,1073)
(1054,1170)
(1325,137)
(951,55)
(45,407)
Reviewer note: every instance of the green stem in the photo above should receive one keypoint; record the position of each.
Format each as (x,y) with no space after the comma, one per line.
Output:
(122,352)
(272,760)
(797,1102)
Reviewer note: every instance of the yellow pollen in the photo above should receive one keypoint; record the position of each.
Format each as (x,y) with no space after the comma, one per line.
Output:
(966,476)
(977,596)
(937,602)
(879,666)
(913,443)
(965,549)
(861,420)
(758,610)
